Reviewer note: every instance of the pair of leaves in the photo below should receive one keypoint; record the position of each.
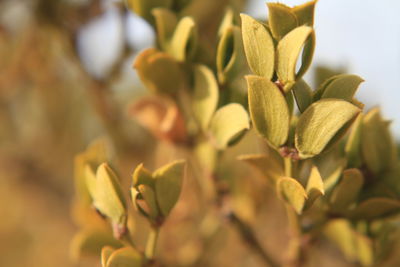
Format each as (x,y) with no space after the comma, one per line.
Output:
(352,244)
(263,59)
(296,195)
(178,38)
(377,146)
(283,19)
(320,124)
(105,189)
(122,257)
(160,190)
(159,72)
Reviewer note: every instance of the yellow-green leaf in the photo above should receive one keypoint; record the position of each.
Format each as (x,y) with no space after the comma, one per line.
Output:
(346,192)
(288,52)
(269,166)
(268,109)
(315,187)
(168,185)
(342,86)
(149,197)
(305,13)
(303,95)
(353,144)
(105,255)
(91,181)
(258,46)
(89,242)
(142,176)
(125,257)
(375,207)
(184,41)
(109,199)
(319,124)
(166,22)
(143,8)
(159,72)
(292,192)
(205,95)
(281,19)
(377,146)
(227,21)
(229,54)
(228,124)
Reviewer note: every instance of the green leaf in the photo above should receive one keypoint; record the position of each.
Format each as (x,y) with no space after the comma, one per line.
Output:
(91,181)
(319,124)
(375,208)
(377,146)
(142,176)
(315,187)
(269,166)
(184,41)
(166,22)
(168,185)
(227,21)
(89,242)
(125,257)
(109,199)
(205,95)
(229,54)
(288,53)
(228,124)
(281,19)
(353,144)
(149,197)
(292,192)
(342,86)
(258,46)
(105,255)
(305,13)
(269,110)
(303,95)
(143,8)
(346,192)
(159,72)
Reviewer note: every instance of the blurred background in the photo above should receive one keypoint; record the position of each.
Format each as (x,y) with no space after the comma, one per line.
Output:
(66,78)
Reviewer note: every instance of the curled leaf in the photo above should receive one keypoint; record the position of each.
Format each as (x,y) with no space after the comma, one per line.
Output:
(228,124)
(353,144)
(315,187)
(346,192)
(377,146)
(183,44)
(205,95)
(125,257)
(105,255)
(342,86)
(108,198)
(281,19)
(229,54)
(319,124)
(292,192)
(166,22)
(303,95)
(258,46)
(305,13)
(168,185)
(159,72)
(269,110)
(288,52)
(143,8)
